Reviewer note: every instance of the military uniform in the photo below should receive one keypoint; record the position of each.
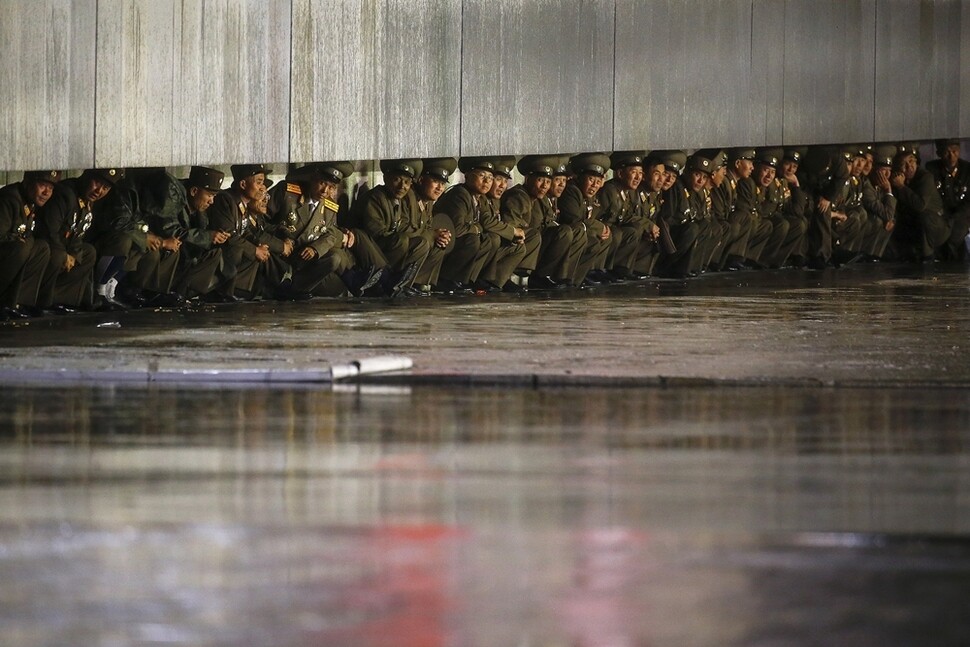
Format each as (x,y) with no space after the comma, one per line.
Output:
(622,210)
(26,274)
(395,227)
(775,205)
(920,224)
(63,222)
(581,213)
(510,250)
(678,214)
(230,213)
(473,248)
(169,214)
(746,209)
(953,186)
(880,205)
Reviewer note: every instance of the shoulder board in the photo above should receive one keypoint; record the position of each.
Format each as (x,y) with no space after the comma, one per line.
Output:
(292,187)
(331,205)
(686,193)
(26,209)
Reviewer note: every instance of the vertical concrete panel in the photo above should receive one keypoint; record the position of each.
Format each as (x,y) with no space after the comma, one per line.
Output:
(964,69)
(537,76)
(135,86)
(232,79)
(829,58)
(375,78)
(684,75)
(917,69)
(192,81)
(47,112)
(768,65)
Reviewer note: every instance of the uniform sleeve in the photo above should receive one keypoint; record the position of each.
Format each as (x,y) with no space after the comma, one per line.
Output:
(458,205)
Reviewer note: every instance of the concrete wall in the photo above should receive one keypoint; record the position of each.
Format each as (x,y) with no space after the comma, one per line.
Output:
(178,82)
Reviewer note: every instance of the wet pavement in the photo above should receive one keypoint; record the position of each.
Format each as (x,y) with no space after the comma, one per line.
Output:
(753,459)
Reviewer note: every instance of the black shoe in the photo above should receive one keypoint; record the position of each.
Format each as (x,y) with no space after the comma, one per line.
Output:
(419,291)
(403,281)
(447,286)
(373,278)
(165,300)
(61,309)
(543,283)
(513,288)
(14,313)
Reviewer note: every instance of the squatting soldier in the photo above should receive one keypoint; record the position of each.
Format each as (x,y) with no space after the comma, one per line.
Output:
(562,246)
(472,247)
(775,205)
(26,274)
(579,208)
(508,234)
(63,222)
(921,228)
(242,254)
(878,199)
(952,176)
(676,211)
(699,180)
(176,211)
(745,201)
(429,186)
(634,233)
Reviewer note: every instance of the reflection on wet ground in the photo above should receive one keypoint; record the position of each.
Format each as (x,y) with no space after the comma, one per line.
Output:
(436,516)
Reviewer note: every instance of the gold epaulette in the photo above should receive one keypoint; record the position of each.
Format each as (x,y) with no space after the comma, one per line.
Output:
(331,205)
(293,188)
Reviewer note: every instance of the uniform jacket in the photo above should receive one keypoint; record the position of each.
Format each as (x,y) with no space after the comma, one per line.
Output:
(17,218)
(65,218)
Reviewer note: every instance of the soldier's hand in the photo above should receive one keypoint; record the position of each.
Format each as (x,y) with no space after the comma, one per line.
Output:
(349,239)
(69,262)
(308,254)
(792,179)
(154,242)
(219,237)
(287,247)
(606,232)
(890,225)
(171,244)
(898,179)
(823,205)
(655,233)
(518,234)
(262,253)
(442,237)
(838,217)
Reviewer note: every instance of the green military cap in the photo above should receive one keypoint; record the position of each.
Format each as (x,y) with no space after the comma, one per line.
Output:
(440,168)
(242,171)
(794,154)
(673,160)
(206,178)
(109,175)
(852,151)
(504,165)
(882,155)
(699,162)
(742,154)
(619,159)
(770,156)
(466,164)
(909,148)
(590,164)
(544,165)
(562,166)
(42,176)
(333,172)
(712,154)
(410,167)
(943,144)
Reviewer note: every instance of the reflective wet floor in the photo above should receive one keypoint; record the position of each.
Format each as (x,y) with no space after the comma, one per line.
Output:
(819,494)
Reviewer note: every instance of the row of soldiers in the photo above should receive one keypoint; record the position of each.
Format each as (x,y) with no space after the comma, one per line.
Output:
(110,239)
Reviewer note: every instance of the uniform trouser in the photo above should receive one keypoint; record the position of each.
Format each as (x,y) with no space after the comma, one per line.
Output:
(734,240)
(594,253)
(24,268)
(709,243)
(794,233)
(878,238)
(401,250)
(647,256)
(197,274)
(368,254)
(739,248)
(686,236)
(465,261)
(76,287)
(147,269)
(955,247)
(759,238)
(623,252)
(506,257)
(272,275)
(430,269)
(818,241)
(559,251)
(849,235)
(533,247)
(238,270)
(320,275)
